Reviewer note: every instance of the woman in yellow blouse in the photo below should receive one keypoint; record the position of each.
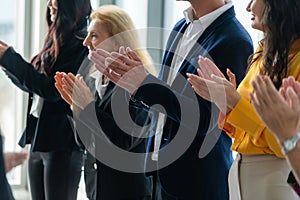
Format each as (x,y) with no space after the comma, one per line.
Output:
(259,170)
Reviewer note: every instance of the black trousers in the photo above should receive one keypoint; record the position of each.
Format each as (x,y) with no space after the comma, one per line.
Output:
(90,176)
(55,175)
(158,192)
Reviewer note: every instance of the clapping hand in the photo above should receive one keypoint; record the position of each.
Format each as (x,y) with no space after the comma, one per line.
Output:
(59,86)
(3,48)
(212,85)
(124,68)
(280,111)
(73,89)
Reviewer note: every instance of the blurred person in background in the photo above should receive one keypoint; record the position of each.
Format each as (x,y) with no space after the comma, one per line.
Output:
(7,162)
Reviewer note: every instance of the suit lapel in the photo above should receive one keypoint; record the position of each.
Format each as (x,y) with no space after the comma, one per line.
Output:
(190,64)
(108,93)
(173,40)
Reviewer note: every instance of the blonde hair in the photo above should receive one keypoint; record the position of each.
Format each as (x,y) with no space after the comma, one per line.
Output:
(118,24)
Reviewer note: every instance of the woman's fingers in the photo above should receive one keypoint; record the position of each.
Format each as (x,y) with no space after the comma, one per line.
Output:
(208,68)
(132,54)
(59,86)
(231,77)
(117,66)
(98,57)
(200,73)
(3,44)
(200,85)
(69,80)
(204,68)
(292,98)
(123,58)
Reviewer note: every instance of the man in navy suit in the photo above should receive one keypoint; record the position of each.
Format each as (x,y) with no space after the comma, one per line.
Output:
(190,154)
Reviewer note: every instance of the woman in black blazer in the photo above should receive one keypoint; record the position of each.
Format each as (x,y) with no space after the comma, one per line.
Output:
(55,160)
(109,29)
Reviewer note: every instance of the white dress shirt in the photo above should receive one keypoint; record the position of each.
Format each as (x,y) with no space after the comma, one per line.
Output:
(99,85)
(36,106)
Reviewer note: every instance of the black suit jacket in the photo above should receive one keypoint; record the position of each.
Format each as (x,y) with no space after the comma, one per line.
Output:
(191,124)
(102,129)
(52,130)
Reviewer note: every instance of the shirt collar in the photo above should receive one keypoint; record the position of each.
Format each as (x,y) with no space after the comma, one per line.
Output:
(206,19)
(96,74)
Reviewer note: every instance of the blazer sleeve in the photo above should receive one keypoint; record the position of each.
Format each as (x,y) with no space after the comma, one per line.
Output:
(244,117)
(24,75)
(103,126)
(179,106)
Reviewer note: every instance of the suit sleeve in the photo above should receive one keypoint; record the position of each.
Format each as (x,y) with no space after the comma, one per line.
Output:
(244,117)
(104,127)
(154,91)
(180,107)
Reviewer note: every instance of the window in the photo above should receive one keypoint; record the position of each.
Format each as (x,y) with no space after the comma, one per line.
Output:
(11,106)
(174,12)
(95,4)
(245,18)
(138,11)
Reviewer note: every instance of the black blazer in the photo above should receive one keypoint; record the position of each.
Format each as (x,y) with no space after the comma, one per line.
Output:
(100,132)
(52,130)
(191,125)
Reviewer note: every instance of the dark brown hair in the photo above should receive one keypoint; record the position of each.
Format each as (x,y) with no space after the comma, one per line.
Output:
(281,24)
(72,16)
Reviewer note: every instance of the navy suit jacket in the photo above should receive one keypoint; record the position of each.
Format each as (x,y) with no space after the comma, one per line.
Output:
(192,176)
(5,190)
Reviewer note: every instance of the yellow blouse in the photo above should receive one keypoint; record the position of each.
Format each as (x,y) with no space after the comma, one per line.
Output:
(243,124)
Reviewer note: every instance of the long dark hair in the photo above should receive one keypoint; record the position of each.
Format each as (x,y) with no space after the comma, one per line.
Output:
(281,24)
(72,16)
